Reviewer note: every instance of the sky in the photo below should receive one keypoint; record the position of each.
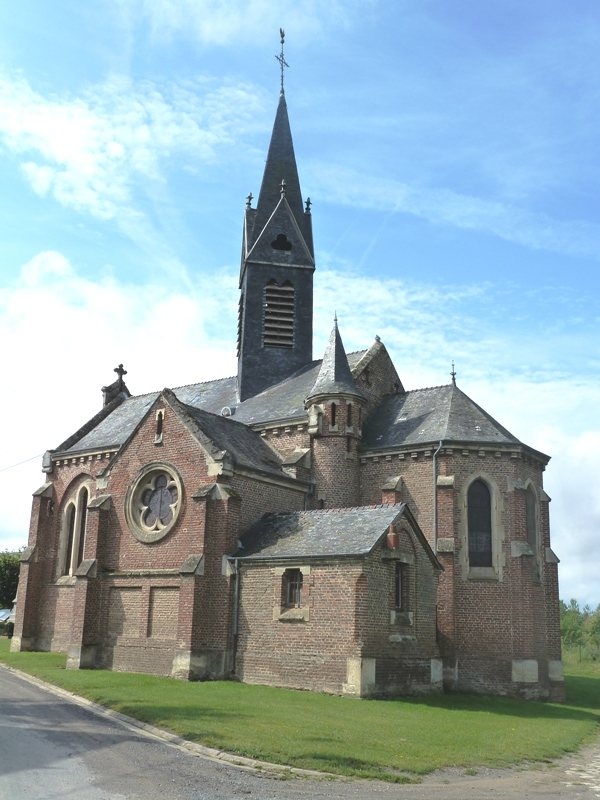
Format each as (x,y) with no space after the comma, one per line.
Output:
(450,151)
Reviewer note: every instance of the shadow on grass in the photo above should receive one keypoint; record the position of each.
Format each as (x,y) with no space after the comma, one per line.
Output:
(582,703)
(346,765)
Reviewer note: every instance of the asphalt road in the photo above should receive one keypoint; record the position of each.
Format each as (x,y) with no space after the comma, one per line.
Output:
(53,746)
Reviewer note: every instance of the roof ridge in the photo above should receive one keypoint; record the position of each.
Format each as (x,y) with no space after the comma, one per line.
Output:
(429,388)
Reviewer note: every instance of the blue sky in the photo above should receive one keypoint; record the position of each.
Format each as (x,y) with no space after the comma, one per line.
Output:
(450,152)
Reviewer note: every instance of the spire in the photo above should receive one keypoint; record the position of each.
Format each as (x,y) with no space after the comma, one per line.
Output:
(281,168)
(335,376)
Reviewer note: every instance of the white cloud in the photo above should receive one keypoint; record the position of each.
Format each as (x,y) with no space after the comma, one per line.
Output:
(443,206)
(163,337)
(90,152)
(223,22)
(167,337)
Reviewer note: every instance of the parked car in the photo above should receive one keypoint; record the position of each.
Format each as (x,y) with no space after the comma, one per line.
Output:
(7,621)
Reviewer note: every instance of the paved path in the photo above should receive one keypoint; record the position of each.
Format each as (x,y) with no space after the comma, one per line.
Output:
(54,745)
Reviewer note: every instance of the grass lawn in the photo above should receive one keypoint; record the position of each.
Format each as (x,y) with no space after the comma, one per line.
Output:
(389,739)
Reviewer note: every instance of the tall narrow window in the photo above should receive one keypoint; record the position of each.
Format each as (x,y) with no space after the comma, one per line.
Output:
(74,524)
(480,524)
(278,318)
(401,587)
(82,504)
(333,414)
(349,414)
(158,436)
(69,526)
(531,519)
(292,588)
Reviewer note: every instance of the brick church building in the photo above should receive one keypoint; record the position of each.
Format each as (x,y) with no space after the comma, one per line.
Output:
(304,523)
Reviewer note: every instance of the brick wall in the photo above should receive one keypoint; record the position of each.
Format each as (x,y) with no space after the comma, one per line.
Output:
(345,615)
(485,619)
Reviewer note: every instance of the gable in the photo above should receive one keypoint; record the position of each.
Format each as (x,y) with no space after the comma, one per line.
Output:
(281,240)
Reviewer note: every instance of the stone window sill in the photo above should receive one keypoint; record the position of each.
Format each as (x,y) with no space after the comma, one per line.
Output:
(291,614)
(66,580)
(483,574)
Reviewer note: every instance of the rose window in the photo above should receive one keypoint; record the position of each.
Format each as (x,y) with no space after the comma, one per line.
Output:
(153,504)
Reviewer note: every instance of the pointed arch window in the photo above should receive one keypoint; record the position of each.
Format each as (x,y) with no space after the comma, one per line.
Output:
(531,516)
(333,415)
(479,507)
(278,317)
(73,532)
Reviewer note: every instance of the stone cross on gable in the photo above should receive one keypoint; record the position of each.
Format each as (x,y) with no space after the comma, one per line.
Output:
(120,372)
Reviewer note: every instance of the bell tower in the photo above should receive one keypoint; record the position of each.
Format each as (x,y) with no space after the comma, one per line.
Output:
(275,317)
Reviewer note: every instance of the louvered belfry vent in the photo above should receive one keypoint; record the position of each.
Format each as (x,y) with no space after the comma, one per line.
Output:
(278,319)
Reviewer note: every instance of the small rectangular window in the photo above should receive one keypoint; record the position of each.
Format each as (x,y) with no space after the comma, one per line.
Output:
(401,587)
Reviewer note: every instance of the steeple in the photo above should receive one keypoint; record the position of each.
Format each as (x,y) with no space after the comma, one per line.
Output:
(280,168)
(276,275)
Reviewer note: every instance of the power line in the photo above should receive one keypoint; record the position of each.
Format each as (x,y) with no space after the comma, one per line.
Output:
(20,463)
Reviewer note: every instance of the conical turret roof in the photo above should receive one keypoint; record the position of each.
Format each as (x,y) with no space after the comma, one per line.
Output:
(335,376)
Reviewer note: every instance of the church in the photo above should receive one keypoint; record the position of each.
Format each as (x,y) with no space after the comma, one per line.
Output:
(304,523)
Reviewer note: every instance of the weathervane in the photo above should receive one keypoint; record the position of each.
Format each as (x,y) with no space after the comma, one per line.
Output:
(453,374)
(282,62)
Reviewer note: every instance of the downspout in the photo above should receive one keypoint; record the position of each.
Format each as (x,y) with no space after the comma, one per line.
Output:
(435,515)
(236,611)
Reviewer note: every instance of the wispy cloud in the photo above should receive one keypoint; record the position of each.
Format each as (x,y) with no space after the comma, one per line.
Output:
(170,337)
(223,22)
(91,152)
(443,206)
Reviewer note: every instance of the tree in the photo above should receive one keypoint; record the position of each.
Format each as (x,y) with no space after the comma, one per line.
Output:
(591,628)
(571,623)
(9,578)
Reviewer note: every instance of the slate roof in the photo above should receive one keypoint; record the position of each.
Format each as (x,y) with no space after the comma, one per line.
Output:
(335,376)
(441,413)
(284,401)
(244,445)
(407,419)
(314,534)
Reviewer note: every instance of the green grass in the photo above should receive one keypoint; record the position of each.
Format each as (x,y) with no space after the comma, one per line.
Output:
(390,739)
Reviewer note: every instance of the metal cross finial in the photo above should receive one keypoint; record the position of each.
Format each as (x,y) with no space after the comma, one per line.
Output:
(308,204)
(282,62)
(453,374)
(249,200)
(120,372)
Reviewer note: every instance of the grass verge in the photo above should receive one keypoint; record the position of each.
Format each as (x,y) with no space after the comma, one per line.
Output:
(399,739)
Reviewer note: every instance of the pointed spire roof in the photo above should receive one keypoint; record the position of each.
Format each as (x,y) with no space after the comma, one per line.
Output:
(280,168)
(335,376)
